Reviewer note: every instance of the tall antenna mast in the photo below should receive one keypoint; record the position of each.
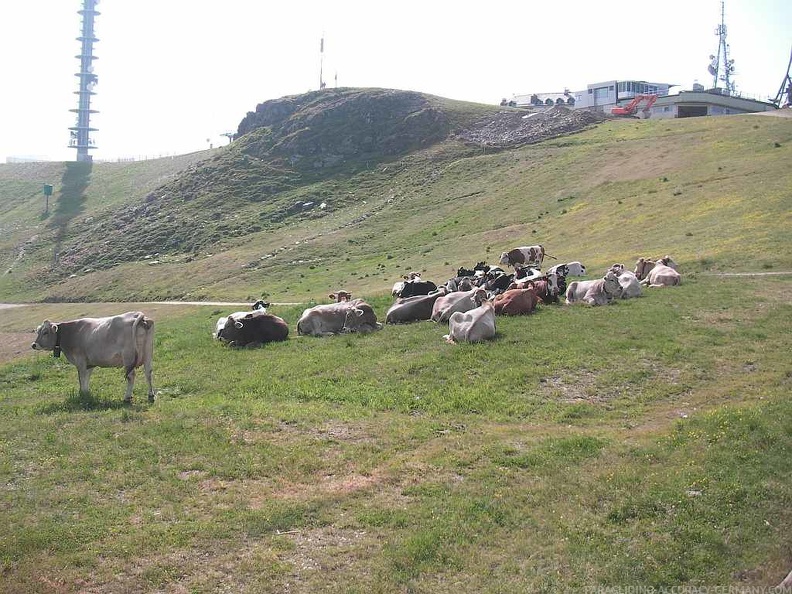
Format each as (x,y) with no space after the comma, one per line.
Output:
(785,90)
(80,134)
(721,67)
(321,64)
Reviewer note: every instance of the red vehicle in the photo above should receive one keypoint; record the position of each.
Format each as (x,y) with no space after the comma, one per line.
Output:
(632,107)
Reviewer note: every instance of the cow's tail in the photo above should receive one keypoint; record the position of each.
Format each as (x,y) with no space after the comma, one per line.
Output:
(137,360)
(550,256)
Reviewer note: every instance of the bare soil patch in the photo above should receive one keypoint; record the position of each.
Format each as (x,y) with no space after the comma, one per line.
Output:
(14,345)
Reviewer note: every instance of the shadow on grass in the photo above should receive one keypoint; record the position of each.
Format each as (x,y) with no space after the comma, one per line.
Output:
(71,198)
(77,402)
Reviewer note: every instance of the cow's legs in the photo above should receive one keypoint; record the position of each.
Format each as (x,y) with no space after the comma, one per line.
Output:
(84,375)
(147,367)
(130,379)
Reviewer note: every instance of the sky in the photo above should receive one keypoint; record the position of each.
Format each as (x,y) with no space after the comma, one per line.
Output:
(175,75)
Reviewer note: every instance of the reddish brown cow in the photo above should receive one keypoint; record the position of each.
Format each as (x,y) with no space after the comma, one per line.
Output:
(515,302)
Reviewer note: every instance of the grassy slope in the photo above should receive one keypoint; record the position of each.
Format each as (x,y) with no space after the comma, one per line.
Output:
(647,443)
(625,445)
(714,192)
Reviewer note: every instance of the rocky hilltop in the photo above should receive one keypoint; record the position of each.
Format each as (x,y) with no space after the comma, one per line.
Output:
(327,128)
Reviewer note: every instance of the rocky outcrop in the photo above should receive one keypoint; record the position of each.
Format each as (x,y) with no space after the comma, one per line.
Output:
(512,127)
(331,127)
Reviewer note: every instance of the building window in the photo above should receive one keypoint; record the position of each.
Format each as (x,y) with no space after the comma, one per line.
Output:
(601,94)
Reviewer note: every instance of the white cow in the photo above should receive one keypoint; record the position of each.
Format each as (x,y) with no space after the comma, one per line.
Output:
(786,584)
(475,325)
(125,340)
(461,301)
(631,286)
(336,318)
(595,292)
(572,269)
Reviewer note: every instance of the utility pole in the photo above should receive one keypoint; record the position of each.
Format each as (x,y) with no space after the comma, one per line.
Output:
(321,63)
(47,194)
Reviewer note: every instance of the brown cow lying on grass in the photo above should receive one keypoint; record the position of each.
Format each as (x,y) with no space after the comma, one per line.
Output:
(337,318)
(253,329)
(515,302)
(657,273)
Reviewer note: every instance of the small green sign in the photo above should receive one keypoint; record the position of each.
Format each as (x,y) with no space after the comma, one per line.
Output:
(47,189)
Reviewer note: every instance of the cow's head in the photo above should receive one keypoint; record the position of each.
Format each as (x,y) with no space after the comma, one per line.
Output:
(553,288)
(642,267)
(352,318)
(261,305)
(504,259)
(46,337)
(479,296)
(617,269)
(231,329)
(612,286)
(466,284)
(340,296)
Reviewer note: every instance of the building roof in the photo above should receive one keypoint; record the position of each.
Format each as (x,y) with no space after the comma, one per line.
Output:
(704,97)
(543,97)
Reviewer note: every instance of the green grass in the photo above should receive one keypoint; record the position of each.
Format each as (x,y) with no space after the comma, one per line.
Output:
(645,443)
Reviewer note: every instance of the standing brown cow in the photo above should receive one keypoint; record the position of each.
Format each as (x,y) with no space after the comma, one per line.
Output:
(524,256)
(125,340)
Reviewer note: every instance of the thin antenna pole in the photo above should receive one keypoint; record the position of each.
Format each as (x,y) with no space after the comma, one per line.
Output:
(321,63)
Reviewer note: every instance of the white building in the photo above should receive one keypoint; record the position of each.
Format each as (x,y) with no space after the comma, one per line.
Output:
(605,95)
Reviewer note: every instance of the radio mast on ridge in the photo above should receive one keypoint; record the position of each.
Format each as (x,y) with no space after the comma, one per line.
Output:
(322,83)
(721,68)
(80,133)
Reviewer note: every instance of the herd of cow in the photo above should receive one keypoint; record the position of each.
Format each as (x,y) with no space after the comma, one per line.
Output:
(468,303)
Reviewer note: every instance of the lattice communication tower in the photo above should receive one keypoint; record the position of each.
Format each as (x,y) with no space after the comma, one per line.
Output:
(80,134)
(721,66)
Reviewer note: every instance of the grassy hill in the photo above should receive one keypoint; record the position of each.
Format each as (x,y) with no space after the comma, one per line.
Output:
(645,444)
(233,223)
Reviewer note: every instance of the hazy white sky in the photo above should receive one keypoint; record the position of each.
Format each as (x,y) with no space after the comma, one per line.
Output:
(175,74)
